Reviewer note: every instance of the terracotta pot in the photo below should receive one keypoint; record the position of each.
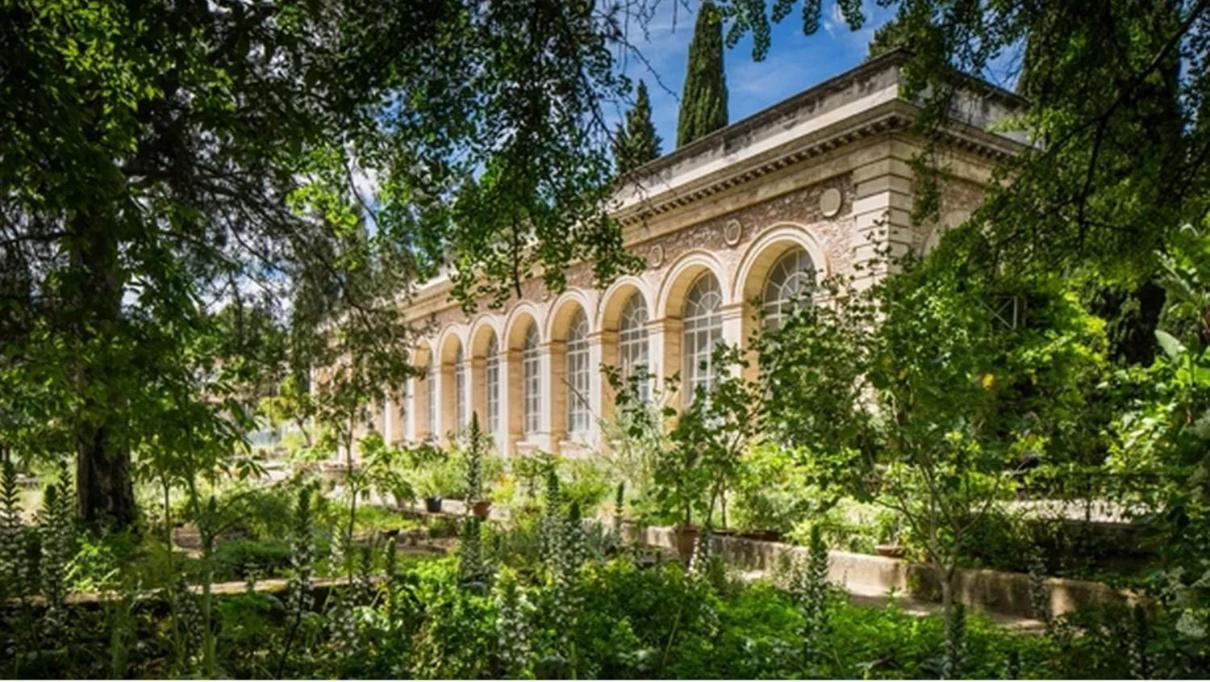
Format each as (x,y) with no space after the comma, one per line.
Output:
(686,538)
(432,505)
(482,509)
(893,551)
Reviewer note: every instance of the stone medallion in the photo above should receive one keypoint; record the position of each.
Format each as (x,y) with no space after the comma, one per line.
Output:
(829,202)
(732,232)
(657,256)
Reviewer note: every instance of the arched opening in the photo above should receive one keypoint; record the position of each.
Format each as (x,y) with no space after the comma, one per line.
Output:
(702,331)
(789,286)
(450,382)
(422,395)
(491,386)
(633,346)
(576,375)
(531,382)
(460,410)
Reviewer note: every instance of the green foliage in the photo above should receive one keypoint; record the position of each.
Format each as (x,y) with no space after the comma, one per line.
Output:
(1159,444)
(635,141)
(451,628)
(809,587)
(57,535)
(704,99)
(434,473)
(890,36)
(514,625)
(773,490)
(242,558)
(471,567)
(16,573)
(638,432)
(709,440)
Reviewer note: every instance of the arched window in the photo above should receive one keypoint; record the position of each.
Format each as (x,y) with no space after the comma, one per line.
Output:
(789,286)
(459,389)
(577,374)
(531,381)
(632,340)
(492,384)
(430,376)
(703,330)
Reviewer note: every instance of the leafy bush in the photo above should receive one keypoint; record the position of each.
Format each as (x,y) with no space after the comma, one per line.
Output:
(584,482)
(771,491)
(243,558)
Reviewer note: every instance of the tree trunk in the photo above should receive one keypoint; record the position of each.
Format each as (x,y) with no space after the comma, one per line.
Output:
(105,493)
(951,667)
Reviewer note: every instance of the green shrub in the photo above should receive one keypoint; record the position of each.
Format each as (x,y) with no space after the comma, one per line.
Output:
(237,559)
(584,482)
(771,491)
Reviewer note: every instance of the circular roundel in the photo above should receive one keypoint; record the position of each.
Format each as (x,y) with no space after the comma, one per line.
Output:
(829,202)
(657,256)
(732,232)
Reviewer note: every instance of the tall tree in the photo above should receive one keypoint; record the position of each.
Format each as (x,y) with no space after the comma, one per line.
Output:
(890,36)
(636,142)
(704,98)
(167,159)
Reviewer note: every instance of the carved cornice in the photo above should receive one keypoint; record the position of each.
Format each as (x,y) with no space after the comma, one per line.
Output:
(892,117)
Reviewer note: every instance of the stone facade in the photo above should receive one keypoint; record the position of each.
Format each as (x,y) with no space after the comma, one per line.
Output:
(825,174)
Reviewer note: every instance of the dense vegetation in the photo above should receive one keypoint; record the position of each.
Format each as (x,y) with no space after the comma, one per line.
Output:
(184,235)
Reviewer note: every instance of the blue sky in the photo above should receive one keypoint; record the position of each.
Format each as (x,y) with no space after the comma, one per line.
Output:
(795,62)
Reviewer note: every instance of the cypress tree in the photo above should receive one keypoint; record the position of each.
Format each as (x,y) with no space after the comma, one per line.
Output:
(704,100)
(890,36)
(636,141)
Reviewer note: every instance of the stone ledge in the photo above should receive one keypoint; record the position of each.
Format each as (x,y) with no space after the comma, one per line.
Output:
(996,592)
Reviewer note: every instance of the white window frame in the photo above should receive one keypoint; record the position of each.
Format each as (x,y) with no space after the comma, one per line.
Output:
(579,415)
(531,373)
(459,389)
(491,375)
(702,331)
(789,286)
(632,341)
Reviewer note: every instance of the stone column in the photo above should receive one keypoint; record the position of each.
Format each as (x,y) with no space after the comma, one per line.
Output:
(512,405)
(424,388)
(476,388)
(446,394)
(554,394)
(408,416)
(733,326)
(664,351)
(388,419)
(602,351)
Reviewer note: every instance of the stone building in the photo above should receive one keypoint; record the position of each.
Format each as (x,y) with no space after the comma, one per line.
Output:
(754,212)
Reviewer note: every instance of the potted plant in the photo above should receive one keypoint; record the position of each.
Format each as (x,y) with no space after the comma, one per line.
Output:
(433,481)
(480,505)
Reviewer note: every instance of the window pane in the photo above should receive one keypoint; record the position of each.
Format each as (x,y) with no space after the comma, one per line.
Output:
(578,414)
(789,286)
(492,367)
(703,330)
(532,381)
(632,341)
(459,390)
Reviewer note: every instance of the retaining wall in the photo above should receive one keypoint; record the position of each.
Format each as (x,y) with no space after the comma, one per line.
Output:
(999,592)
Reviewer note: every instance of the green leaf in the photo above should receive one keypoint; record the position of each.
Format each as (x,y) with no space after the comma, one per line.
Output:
(1172,348)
